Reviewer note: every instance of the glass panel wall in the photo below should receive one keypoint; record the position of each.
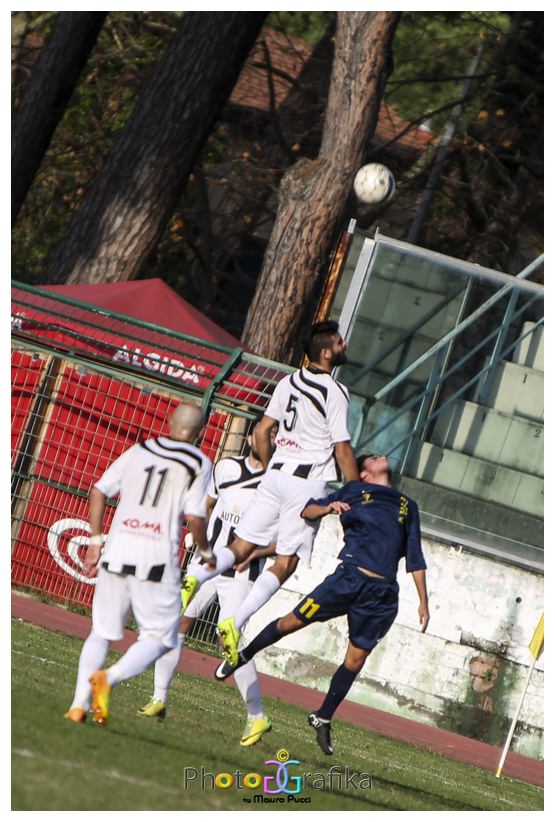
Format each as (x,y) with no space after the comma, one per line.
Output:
(446,376)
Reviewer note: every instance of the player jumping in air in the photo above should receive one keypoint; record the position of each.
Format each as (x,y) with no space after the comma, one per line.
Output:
(159,481)
(232,486)
(381,526)
(311,410)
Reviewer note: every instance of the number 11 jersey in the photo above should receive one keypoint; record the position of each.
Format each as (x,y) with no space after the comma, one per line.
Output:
(159,481)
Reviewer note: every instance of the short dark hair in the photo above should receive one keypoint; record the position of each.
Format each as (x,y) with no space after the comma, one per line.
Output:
(319,337)
(362,459)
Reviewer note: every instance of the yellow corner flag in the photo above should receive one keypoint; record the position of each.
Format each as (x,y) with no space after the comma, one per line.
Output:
(535,647)
(536,643)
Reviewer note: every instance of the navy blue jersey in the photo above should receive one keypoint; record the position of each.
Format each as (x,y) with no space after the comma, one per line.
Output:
(381,527)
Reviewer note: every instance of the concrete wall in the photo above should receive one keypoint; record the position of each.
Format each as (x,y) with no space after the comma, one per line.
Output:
(465,674)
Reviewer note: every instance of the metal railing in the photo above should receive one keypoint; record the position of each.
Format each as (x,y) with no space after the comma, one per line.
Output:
(437,351)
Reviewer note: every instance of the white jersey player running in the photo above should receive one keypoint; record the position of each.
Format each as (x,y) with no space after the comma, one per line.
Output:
(159,482)
(313,441)
(232,486)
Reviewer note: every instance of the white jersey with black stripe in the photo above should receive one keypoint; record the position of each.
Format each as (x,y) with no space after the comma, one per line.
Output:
(159,481)
(312,410)
(233,483)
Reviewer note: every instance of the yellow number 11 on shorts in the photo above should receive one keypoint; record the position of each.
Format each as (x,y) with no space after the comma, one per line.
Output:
(309,608)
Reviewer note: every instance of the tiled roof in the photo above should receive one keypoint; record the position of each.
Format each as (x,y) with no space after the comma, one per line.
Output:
(390,124)
(287,56)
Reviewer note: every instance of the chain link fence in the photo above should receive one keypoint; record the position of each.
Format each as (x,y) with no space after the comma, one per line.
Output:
(86,385)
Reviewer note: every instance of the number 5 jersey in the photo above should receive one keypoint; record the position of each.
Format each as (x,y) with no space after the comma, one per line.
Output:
(312,409)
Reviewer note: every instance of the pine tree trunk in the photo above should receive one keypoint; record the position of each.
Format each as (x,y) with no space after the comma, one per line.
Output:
(313,194)
(130,201)
(46,94)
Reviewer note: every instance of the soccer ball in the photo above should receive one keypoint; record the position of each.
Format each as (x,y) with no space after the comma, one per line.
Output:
(374,183)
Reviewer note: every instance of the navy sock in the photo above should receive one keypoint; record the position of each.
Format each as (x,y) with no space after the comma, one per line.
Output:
(267,636)
(339,688)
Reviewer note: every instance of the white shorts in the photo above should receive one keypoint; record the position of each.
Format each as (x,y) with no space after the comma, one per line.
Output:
(156,607)
(276,507)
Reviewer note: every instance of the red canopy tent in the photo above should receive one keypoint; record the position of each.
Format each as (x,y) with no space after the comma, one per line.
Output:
(151,301)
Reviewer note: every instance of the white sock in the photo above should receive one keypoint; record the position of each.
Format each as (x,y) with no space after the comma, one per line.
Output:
(93,656)
(164,670)
(225,558)
(263,588)
(249,688)
(136,659)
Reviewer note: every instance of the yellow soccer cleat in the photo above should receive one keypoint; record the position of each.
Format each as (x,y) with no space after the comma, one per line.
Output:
(153,708)
(254,730)
(188,591)
(229,638)
(76,714)
(100,697)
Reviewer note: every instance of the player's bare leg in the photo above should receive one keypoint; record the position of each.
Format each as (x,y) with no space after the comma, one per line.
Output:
(355,657)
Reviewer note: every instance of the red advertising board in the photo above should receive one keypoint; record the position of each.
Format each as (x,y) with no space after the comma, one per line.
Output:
(27,372)
(50,545)
(49,548)
(87,418)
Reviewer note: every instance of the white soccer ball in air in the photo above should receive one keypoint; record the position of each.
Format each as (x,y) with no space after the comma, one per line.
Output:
(374,183)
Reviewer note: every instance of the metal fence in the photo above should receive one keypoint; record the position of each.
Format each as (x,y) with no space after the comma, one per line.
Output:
(86,385)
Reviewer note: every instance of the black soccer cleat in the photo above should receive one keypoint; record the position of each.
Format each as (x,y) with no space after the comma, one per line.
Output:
(323,732)
(225,669)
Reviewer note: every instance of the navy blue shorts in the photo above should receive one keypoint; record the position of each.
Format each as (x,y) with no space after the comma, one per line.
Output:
(370,603)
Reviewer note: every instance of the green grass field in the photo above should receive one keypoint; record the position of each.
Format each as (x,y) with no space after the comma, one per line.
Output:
(137,763)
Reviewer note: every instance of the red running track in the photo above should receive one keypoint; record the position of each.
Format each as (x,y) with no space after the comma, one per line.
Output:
(446,743)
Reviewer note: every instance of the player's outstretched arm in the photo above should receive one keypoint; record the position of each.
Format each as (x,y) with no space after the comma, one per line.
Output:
(197,527)
(315,511)
(263,440)
(423,612)
(97,506)
(257,553)
(210,503)
(346,460)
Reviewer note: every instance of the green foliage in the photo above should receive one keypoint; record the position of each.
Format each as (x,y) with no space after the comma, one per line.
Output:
(137,763)
(212,248)
(432,52)
(306,25)
(493,175)
(129,46)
